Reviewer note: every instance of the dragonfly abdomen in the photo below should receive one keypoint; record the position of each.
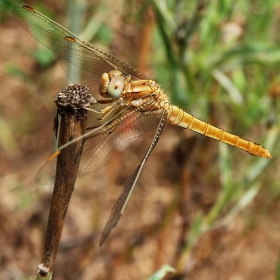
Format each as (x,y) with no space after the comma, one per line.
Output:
(177,116)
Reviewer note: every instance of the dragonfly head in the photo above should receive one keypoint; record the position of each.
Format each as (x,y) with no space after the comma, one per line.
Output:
(112,84)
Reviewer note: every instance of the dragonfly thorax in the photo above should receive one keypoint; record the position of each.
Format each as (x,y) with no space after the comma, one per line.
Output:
(112,84)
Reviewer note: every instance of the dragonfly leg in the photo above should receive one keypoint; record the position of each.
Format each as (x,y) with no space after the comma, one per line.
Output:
(105,112)
(94,110)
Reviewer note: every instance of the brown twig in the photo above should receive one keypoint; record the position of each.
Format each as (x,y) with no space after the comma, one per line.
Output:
(72,125)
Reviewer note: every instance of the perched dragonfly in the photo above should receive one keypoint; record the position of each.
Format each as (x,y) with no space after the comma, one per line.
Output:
(127,105)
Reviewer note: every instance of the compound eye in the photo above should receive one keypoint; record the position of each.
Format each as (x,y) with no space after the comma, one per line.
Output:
(115,87)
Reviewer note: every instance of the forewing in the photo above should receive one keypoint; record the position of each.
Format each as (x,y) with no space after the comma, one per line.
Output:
(81,61)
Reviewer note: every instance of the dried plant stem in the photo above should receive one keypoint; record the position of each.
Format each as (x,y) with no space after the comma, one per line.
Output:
(72,125)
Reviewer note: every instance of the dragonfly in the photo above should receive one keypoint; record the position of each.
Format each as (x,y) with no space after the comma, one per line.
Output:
(127,104)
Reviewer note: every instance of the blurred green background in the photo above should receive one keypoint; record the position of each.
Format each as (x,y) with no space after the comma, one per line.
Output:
(206,209)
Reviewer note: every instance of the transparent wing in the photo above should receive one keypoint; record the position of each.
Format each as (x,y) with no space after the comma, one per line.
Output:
(106,144)
(85,64)
(124,196)
(101,150)
(81,61)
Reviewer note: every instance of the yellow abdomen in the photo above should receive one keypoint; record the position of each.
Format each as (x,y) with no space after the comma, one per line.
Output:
(177,116)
